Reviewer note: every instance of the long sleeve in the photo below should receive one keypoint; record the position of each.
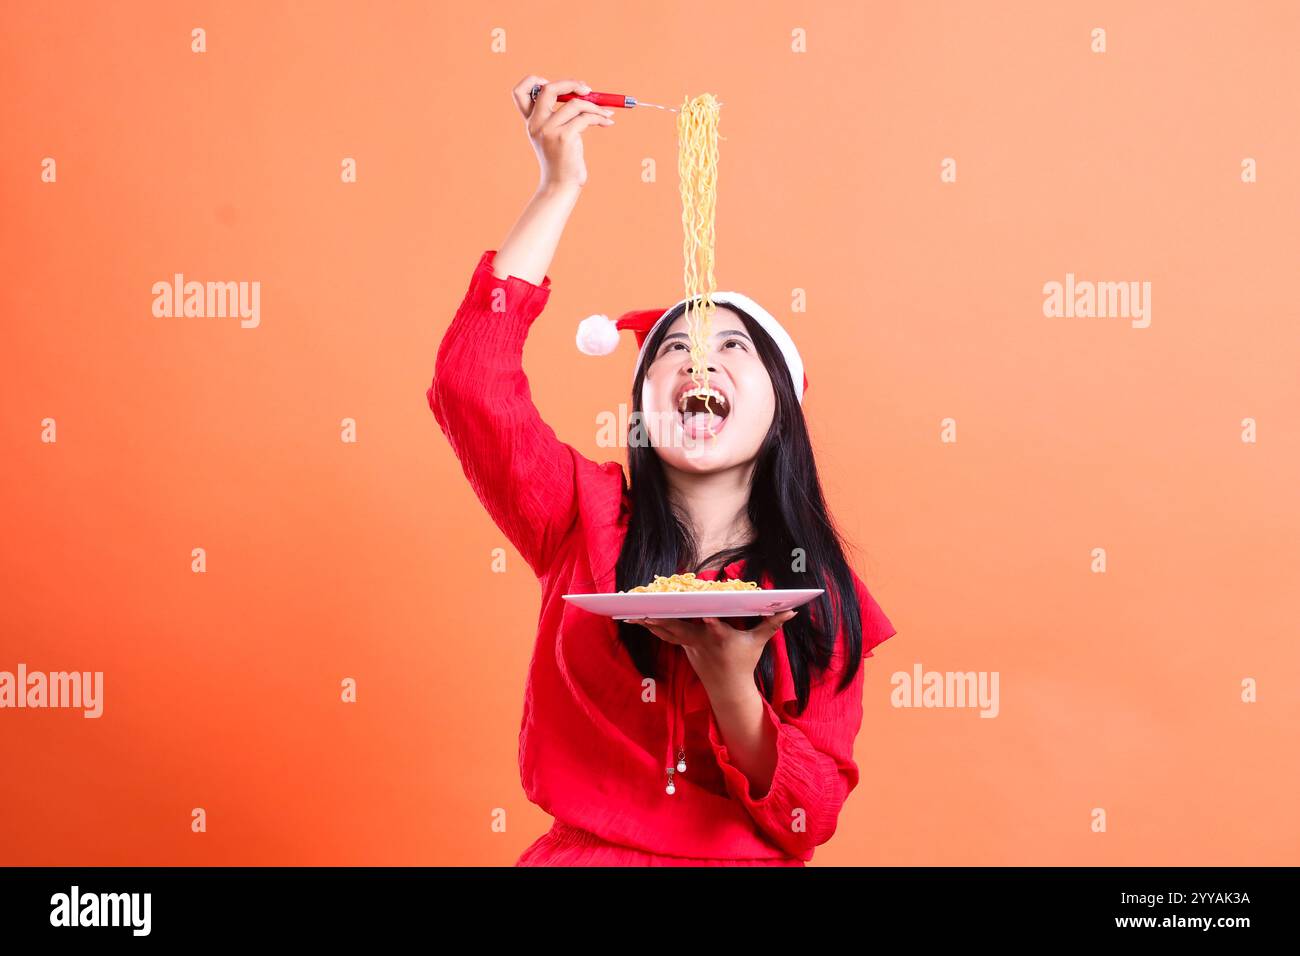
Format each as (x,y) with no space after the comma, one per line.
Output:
(522,473)
(815,770)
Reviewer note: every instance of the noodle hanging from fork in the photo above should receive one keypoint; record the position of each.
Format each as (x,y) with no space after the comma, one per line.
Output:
(697,167)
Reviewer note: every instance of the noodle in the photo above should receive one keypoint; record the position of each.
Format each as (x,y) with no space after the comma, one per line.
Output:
(697,167)
(689,582)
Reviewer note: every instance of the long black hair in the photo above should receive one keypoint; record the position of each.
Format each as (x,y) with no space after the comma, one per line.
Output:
(795,541)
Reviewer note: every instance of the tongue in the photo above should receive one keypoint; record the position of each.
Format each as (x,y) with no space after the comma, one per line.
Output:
(696,424)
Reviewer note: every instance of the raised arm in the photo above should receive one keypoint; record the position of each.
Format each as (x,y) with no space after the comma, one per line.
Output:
(524,475)
(556,137)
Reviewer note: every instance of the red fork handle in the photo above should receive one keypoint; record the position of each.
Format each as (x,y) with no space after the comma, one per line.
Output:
(600,99)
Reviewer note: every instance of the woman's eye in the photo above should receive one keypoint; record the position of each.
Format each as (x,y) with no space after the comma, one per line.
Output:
(739,342)
(674,345)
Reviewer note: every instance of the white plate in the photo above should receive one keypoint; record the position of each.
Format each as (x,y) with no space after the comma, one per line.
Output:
(680,604)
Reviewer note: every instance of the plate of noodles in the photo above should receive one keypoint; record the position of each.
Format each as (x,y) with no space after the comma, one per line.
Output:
(685,596)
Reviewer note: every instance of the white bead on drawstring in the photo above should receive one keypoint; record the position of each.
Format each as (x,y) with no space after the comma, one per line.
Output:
(671,788)
(681,760)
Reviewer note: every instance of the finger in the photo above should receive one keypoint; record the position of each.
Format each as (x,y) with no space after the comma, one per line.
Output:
(664,634)
(522,93)
(773,624)
(562,119)
(576,127)
(545,101)
(767,627)
(679,630)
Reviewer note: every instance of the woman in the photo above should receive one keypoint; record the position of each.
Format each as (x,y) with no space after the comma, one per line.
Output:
(661,742)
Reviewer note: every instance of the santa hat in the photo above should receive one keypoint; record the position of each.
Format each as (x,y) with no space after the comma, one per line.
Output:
(598,334)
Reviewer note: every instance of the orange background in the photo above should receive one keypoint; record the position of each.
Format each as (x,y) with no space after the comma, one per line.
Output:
(373,560)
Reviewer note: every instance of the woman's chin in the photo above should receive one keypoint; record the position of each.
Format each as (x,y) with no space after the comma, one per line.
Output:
(702,455)
(701,465)
(700,448)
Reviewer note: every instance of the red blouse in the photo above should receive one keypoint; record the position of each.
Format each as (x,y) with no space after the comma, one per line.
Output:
(597,740)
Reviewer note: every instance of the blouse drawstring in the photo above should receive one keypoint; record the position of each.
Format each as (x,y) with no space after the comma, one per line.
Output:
(676,723)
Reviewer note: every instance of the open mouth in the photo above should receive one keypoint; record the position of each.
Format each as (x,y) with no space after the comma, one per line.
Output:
(703,411)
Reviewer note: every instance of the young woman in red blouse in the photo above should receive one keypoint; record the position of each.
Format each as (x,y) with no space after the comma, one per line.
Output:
(660,742)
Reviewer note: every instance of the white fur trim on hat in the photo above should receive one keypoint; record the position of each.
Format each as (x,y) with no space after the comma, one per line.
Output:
(597,335)
(764,318)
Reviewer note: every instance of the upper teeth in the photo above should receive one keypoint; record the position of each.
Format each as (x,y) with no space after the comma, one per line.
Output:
(712,393)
